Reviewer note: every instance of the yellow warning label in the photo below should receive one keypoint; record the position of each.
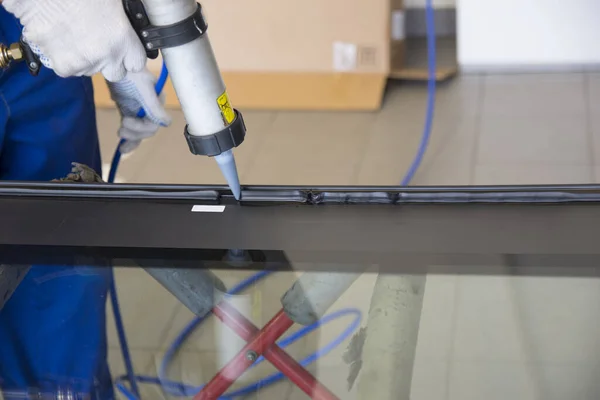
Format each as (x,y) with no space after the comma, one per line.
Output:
(226,110)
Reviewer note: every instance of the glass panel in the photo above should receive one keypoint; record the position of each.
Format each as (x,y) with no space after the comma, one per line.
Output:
(360,334)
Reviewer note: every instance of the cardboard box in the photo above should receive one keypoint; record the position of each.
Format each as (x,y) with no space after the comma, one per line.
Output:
(311,54)
(296,54)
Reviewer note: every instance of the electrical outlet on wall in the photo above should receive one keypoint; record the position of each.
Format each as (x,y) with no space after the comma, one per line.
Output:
(350,56)
(345,56)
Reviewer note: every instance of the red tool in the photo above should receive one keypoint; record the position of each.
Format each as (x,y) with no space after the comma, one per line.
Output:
(260,342)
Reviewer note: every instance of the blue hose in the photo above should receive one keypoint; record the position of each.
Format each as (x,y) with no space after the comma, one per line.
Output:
(431,87)
(122,337)
(160,84)
(184,390)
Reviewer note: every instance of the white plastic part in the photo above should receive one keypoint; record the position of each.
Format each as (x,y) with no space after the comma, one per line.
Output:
(193,69)
(398,25)
(388,353)
(208,209)
(228,343)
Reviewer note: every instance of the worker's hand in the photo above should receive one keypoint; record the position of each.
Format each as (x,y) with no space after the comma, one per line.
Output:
(131,94)
(80,37)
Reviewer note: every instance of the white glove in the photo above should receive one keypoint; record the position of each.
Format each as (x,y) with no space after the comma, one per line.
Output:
(80,37)
(131,94)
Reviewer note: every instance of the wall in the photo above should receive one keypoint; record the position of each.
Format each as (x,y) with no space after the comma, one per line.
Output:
(533,34)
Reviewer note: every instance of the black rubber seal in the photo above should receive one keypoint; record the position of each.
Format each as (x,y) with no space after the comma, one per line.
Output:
(180,33)
(215,144)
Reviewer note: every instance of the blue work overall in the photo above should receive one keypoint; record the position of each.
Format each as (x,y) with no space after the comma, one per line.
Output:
(52,330)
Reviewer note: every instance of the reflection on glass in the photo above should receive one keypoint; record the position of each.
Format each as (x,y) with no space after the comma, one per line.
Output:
(348,333)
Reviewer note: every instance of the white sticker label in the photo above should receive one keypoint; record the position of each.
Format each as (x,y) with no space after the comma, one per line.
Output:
(398,23)
(209,209)
(344,56)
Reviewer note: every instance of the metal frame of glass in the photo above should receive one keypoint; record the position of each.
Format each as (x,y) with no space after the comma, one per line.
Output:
(549,230)
(532,230)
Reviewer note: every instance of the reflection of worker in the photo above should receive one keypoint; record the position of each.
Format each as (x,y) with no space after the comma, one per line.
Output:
(52,330)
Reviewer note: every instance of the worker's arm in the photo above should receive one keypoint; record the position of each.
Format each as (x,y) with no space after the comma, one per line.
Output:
(80,37)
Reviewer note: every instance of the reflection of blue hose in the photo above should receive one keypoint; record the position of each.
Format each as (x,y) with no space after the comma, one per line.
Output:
(160,84)
(181,389)
(184,390)
(114,299)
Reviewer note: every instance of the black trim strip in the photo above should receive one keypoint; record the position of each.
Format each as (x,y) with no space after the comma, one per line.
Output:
(548,231)
(309,195)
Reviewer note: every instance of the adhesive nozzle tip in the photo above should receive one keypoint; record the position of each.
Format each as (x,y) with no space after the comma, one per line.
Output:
(237,192)
(228,168)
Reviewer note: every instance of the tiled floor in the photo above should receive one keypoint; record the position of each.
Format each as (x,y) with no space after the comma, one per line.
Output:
(479,337)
